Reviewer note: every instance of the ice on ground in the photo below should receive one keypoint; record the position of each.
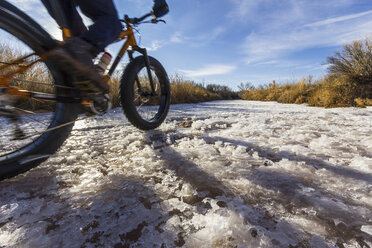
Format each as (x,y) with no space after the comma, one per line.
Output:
(367,229)
(217,174)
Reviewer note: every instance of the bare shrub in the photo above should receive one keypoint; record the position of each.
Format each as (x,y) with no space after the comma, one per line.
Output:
(332,92)
(354,64)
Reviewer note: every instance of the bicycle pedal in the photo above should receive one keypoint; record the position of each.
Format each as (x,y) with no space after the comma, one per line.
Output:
(97,104)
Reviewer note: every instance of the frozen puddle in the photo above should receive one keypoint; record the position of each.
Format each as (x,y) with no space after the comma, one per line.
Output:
(218,174)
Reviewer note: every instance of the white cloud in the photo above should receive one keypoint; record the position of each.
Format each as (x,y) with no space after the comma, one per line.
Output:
(198,40)
(155,45)
(208,70)
(262,47)
(176,38)
(278,29)
(338,19)
(286,10)
(243,9)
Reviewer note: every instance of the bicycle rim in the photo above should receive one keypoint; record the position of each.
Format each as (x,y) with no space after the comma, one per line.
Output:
(23,115)
(144,107)
(149,104)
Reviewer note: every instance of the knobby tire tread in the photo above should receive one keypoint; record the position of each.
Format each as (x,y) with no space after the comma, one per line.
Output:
(15,22)
(126,92)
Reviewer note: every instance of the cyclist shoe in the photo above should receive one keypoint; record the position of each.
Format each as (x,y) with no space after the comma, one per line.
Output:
(75,57)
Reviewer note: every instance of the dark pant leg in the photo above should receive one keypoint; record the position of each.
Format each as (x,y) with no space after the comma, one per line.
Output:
(106,26)
(74,21)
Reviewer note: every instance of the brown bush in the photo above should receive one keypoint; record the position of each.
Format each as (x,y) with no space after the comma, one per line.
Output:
(354,64)
(255,95)
(186,91)
(332,91)
(349,82)
(296,93)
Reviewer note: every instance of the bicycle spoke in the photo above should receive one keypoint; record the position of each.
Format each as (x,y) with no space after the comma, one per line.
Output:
(25,71)
(146,100)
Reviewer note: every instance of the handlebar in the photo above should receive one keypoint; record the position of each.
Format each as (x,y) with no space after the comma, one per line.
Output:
(136,20)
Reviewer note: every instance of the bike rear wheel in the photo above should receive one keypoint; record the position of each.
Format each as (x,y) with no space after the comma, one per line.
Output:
(42,125)
(145,108)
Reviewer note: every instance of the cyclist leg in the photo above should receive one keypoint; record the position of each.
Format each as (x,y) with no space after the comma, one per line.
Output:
(77,54)
(106,26)
(74,21)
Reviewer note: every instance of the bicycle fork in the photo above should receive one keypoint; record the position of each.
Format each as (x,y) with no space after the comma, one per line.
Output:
(143,51)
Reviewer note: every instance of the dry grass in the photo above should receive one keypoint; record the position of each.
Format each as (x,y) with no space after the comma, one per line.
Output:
(185,91)
(37,73)
(348,83)
(115,90)
(182,91)
(363,102)
(286,93)
(331,91)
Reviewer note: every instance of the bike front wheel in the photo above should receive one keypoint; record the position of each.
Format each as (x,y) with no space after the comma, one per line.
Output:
(146,106)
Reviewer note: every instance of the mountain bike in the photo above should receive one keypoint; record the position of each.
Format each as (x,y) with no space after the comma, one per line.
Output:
(39,102)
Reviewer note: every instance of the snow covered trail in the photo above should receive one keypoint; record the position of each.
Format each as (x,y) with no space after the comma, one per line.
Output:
(217,174)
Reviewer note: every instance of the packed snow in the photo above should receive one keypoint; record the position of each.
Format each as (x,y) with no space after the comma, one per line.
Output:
(216,174)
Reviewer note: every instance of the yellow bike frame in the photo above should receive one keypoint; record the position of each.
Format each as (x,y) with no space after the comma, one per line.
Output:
(12,90)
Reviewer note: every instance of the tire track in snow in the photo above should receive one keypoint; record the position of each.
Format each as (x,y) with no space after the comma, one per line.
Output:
(243,173)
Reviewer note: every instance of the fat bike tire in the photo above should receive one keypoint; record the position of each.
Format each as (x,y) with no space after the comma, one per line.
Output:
(144,109)
(37,149)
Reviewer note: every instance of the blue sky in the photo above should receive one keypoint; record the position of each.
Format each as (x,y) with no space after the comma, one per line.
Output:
(232,41)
